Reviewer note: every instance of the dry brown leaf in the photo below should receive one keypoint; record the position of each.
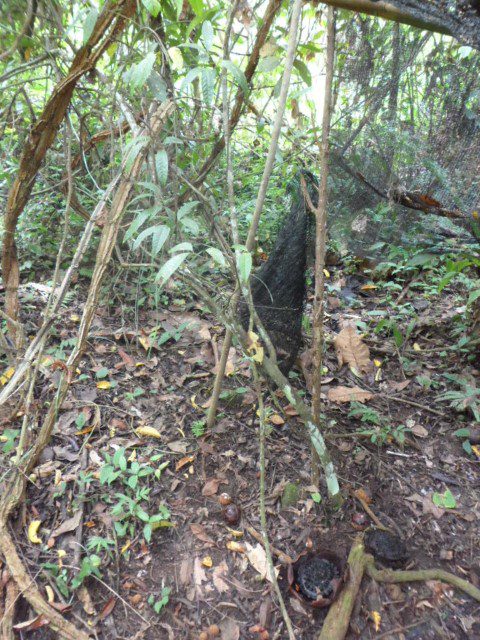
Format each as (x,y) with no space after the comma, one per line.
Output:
(68,525)
(183,461)
(199,532)
(218,577)
(210,488)
(352,351)
(348,394)
(258,559)
(419,431)
(199,575)
(230,629)
(276,419)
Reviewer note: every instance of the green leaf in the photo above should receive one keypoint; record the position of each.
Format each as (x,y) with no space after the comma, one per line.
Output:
(169,268)
(316,497)
(152,6)
(237,74)
(89,24)
(208,85)
(161,164)
(192,75)
(102,373)
(135,225)
(445,500)
(207,34)
(181,246)
(197,6)
(138,73)
(244,265)
(268,64)
(303,71)
(186,209)
(462,433)
(473,296)
(157,229)
(191,225)
(159,238)
(421,259)
(217,255)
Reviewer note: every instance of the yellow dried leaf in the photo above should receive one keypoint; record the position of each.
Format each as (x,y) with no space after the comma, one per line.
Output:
(326,273)
(377,363)
(416,346)
(145,342)
(235,533)
(193,403)
(148,432)
(475,215)
(75,318)
(276,419)
(476,450)
(5,377)
(33,528)
(377,618)
(254,348)
(207,562)
(235,546)
(104,384)
(50,594)
(369,287)
(126,546)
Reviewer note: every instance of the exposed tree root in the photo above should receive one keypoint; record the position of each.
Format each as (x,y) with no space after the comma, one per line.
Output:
(337,621)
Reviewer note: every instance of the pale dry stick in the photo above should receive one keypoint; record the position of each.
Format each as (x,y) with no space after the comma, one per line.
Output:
(227,343)
(320,242)
(263,515)
(277,127)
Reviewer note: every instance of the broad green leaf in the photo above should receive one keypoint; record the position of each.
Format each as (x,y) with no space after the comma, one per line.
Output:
(207,34)
(268,64)
(135,225)
(189,224)
(152,6)
(181,246)
(89,24)
(186,209)
(190,77)
(133,151)
(208,85)
(197,6)
(217,255)
(473,296)
(238,75)
(244,265)
(159,238)
(138,73)
(303,71)
(421,259)
(161,165)
(170,267)
(146,233)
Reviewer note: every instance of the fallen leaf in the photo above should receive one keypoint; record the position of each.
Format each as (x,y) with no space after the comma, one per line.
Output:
(104,384)
(258,559)
(419,431)
(276,419)
(148,432)
(199,575)
(230,629)
(177,446)
(235,546)
(68,525)
(199,532)
(348,394)
(207,562)
(33,528)
(217,576)
(377,619)
(183,461)
(352,351)
(210,488)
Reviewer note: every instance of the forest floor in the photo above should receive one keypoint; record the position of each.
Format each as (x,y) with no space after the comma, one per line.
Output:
(128,381)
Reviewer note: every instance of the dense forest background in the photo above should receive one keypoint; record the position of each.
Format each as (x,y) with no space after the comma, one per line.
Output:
(138,199)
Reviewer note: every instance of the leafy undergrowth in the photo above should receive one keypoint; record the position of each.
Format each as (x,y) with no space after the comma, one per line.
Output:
(123,520)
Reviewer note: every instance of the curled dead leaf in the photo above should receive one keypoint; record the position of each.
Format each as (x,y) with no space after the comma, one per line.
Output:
(348,394)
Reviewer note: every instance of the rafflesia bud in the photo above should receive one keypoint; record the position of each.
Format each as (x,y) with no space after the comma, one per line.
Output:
(232,513)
